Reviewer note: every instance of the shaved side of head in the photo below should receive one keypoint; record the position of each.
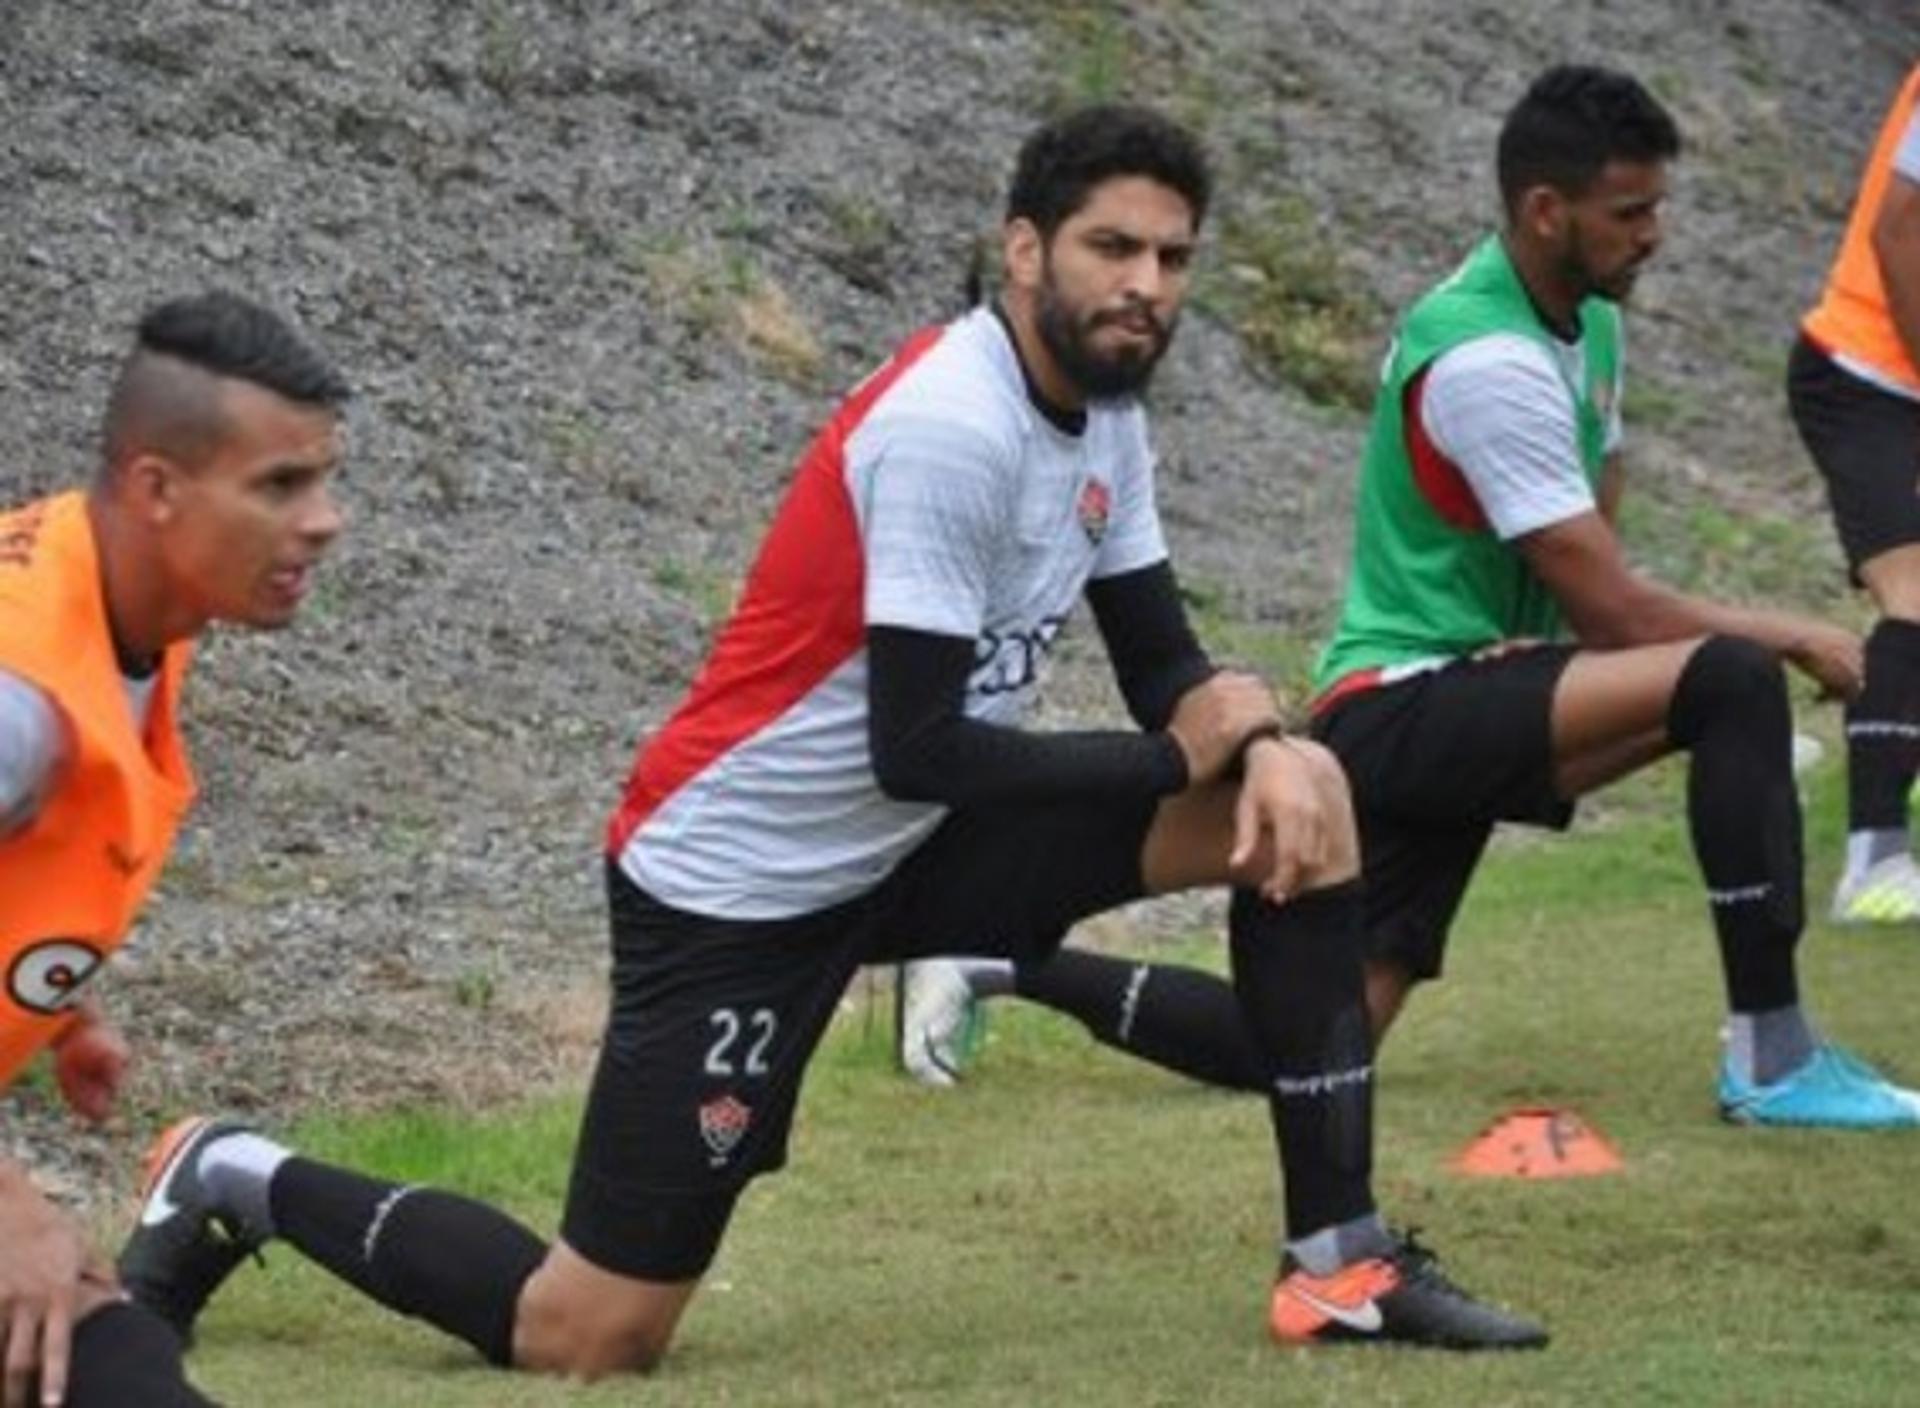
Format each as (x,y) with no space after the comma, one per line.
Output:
(163,406)
(168,398)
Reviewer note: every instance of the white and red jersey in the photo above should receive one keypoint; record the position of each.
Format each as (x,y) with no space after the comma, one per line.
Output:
(937,499)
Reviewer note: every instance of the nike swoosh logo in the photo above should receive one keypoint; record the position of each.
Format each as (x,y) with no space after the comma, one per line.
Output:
(160,1207)
(1364,1317)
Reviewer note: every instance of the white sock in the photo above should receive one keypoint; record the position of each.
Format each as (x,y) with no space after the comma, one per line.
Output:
(1762,1047)
(1868,848)
(987,977)
(1331,1248)
(236,1171)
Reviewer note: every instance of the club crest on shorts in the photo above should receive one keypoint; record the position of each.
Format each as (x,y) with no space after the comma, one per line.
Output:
(723,1124)
(1096,502)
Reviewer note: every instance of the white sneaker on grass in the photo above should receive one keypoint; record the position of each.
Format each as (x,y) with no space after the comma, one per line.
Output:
(1886,892)
(939,1019)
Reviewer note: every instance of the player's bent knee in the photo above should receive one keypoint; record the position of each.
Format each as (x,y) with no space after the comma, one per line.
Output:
(1727,672)
(587,1346)
(1893,577)
(577,1320)
(1741,663)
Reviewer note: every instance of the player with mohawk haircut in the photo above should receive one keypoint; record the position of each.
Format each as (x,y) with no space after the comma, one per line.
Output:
(210,504)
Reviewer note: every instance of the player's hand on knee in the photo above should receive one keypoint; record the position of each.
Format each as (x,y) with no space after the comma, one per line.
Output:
(42,1255)
(1213,721)
(1832,656)
(1291,808)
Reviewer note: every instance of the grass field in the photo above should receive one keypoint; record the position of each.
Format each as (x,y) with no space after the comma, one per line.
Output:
(1072,1227)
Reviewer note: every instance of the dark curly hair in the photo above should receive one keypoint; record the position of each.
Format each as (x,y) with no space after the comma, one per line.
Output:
(1571,122)
(1063,161)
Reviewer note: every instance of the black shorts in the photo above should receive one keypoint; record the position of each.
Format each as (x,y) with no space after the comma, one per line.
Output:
(713,1021)
(1433,762)
(1866,443)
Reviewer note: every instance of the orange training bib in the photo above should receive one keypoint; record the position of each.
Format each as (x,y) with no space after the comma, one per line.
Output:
(73,879)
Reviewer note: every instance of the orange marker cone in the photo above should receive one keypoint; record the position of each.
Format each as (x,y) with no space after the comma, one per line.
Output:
(1538,1142)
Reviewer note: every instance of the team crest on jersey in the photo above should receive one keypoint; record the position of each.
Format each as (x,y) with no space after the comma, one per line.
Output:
(723,1124)
(1096,502)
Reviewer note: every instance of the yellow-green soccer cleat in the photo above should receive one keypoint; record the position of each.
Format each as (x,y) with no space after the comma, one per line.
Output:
(1886,892)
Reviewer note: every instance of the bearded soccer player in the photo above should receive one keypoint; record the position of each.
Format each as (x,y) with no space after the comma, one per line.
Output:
(211,504)
(847,782)
(1853,383)
(1484,526)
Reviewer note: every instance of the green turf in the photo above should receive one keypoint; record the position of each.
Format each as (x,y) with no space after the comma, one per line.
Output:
(1071,1227)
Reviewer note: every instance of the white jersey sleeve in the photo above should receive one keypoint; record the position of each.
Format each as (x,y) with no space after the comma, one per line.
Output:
(1499,409)
(1134,538)
(31,744)
(934,510)
(1906,156)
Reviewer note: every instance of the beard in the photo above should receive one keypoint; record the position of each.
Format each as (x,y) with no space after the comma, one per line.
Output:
(1615,285)
(1067,333)
(1618,286)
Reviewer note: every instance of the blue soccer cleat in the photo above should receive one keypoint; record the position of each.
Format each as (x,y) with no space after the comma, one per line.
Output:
(1832,1089)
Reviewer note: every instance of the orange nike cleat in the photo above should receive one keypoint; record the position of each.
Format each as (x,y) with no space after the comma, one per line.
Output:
(181,1250)
(1401,1298)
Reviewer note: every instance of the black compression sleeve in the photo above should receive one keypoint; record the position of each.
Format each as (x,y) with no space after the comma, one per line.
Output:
(926,750)
(1155,655)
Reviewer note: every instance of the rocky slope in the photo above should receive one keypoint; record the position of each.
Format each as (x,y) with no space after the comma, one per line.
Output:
(597,268)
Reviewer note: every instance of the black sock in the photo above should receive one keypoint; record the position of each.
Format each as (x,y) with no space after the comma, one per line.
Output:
(1181,1018)
(1730,711)
(125,1355)
(1883,730)
(1296,969)
(452,1262)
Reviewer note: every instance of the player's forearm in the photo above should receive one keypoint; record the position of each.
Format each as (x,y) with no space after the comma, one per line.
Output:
(1649,613)
(925,749)
(967,763)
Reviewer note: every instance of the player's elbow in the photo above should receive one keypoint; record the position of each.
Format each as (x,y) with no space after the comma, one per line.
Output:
(904,771)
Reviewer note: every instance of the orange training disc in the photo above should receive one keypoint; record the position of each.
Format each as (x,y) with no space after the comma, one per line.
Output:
(1538,1142)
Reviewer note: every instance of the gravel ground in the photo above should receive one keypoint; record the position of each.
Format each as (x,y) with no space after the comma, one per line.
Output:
(597,269)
